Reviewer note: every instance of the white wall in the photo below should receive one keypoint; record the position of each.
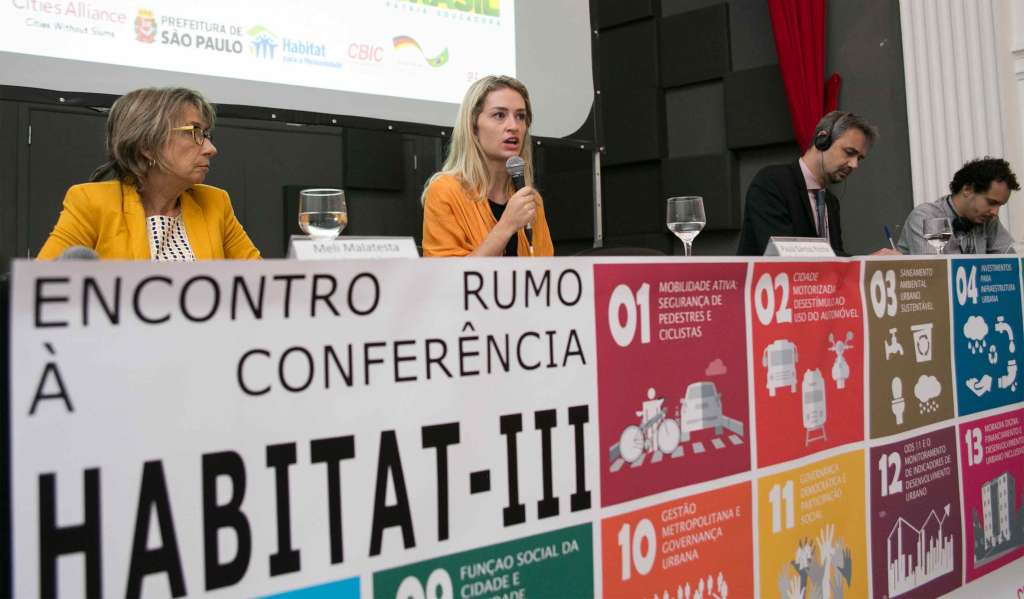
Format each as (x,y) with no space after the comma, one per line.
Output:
(964,70)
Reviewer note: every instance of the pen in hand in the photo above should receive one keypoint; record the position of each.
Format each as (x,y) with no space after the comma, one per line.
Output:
(888,235)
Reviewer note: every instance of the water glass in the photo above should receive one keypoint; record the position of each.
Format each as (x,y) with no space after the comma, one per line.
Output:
(685,218)
(323,213)
(937,232)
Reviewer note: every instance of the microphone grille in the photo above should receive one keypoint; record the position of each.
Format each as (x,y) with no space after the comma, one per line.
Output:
(515,165)
(78,252)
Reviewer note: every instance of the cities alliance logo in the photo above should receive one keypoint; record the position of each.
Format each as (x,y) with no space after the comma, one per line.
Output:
(405,45)
(145,26)
(263,41)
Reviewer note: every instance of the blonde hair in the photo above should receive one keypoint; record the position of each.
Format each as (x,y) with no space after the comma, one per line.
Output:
(139,126)
(466,160)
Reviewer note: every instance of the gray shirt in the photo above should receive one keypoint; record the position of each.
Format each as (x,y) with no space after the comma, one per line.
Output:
(990,237)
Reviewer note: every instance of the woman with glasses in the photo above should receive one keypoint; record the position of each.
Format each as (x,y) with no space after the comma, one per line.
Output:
(155,206)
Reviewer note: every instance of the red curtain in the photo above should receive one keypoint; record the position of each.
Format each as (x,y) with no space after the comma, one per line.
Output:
(799,28)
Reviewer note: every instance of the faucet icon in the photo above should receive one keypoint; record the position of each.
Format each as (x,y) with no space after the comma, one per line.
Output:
(840,369)
(892,345)
(1002,327)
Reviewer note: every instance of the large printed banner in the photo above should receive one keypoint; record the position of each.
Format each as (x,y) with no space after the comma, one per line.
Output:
(811,530)
(478,429)
(808,357)
(993,488)
(697,544)
(911,380)
(986,324)
(245,429)
(916,535)
(672,378)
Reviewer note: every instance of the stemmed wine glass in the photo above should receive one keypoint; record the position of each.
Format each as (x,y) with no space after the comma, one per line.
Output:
(686,219)
(323,213)
(937,232)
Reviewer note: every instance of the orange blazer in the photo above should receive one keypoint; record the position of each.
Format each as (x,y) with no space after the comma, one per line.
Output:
(455,223)
(108,217)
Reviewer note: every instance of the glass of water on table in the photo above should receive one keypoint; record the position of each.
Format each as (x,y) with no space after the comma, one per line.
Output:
(323,213)
(685,218)
(937,232)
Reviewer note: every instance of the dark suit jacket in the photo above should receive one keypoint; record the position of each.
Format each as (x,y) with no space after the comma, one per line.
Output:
(777,204)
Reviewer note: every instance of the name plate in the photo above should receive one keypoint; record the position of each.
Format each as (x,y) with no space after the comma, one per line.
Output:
(301,247)
(799,247)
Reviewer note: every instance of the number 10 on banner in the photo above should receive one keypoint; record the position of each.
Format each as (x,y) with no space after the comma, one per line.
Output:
(638,548)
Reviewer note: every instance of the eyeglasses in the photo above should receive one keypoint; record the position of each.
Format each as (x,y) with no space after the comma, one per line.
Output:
(199,135)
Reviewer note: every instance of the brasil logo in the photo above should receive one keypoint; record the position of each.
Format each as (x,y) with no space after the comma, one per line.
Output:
(489,8)
(145,26)
(403,42)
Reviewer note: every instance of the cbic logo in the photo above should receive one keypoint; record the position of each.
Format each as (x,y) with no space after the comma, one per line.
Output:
(263,42)
(145,26)
(404,43)
(365,52)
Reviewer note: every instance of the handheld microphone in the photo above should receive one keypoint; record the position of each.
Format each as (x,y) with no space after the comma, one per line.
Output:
(78,252)
(516,168)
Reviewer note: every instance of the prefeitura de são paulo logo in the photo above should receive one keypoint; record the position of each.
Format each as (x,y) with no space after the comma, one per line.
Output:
(145,26)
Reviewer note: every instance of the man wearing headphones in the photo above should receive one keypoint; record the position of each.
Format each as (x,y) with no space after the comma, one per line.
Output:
(792,200)
(978,191)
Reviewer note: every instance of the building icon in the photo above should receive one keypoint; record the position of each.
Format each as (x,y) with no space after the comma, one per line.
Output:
(915,556)
(1001,526)
(996,500)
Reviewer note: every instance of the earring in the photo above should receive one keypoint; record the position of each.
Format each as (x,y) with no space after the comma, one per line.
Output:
(152,163)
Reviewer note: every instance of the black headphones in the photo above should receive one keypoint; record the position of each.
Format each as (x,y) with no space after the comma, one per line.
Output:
(960,224)
(824,133)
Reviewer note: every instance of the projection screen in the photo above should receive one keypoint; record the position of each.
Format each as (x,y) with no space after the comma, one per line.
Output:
(402,60)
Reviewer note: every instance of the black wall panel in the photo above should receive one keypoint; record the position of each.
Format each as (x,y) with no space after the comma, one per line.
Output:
(311,155)
(565,179)
(695,46)
(569,212)
(751,41)
(12,135)
(634,126)
(632,199)
(616,12)
(711,177)
(695,120)
(757,113)
(67,145)
(628,57)
(373,160)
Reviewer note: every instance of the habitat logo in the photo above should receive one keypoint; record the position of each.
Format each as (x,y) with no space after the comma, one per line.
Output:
(487,8)
(406,44)
(263,42)
(145,26)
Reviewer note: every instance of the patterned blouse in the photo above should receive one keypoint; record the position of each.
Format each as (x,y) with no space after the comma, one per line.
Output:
(168,241)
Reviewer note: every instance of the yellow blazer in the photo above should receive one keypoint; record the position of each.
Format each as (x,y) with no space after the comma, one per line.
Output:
(455,224)
(108,217)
